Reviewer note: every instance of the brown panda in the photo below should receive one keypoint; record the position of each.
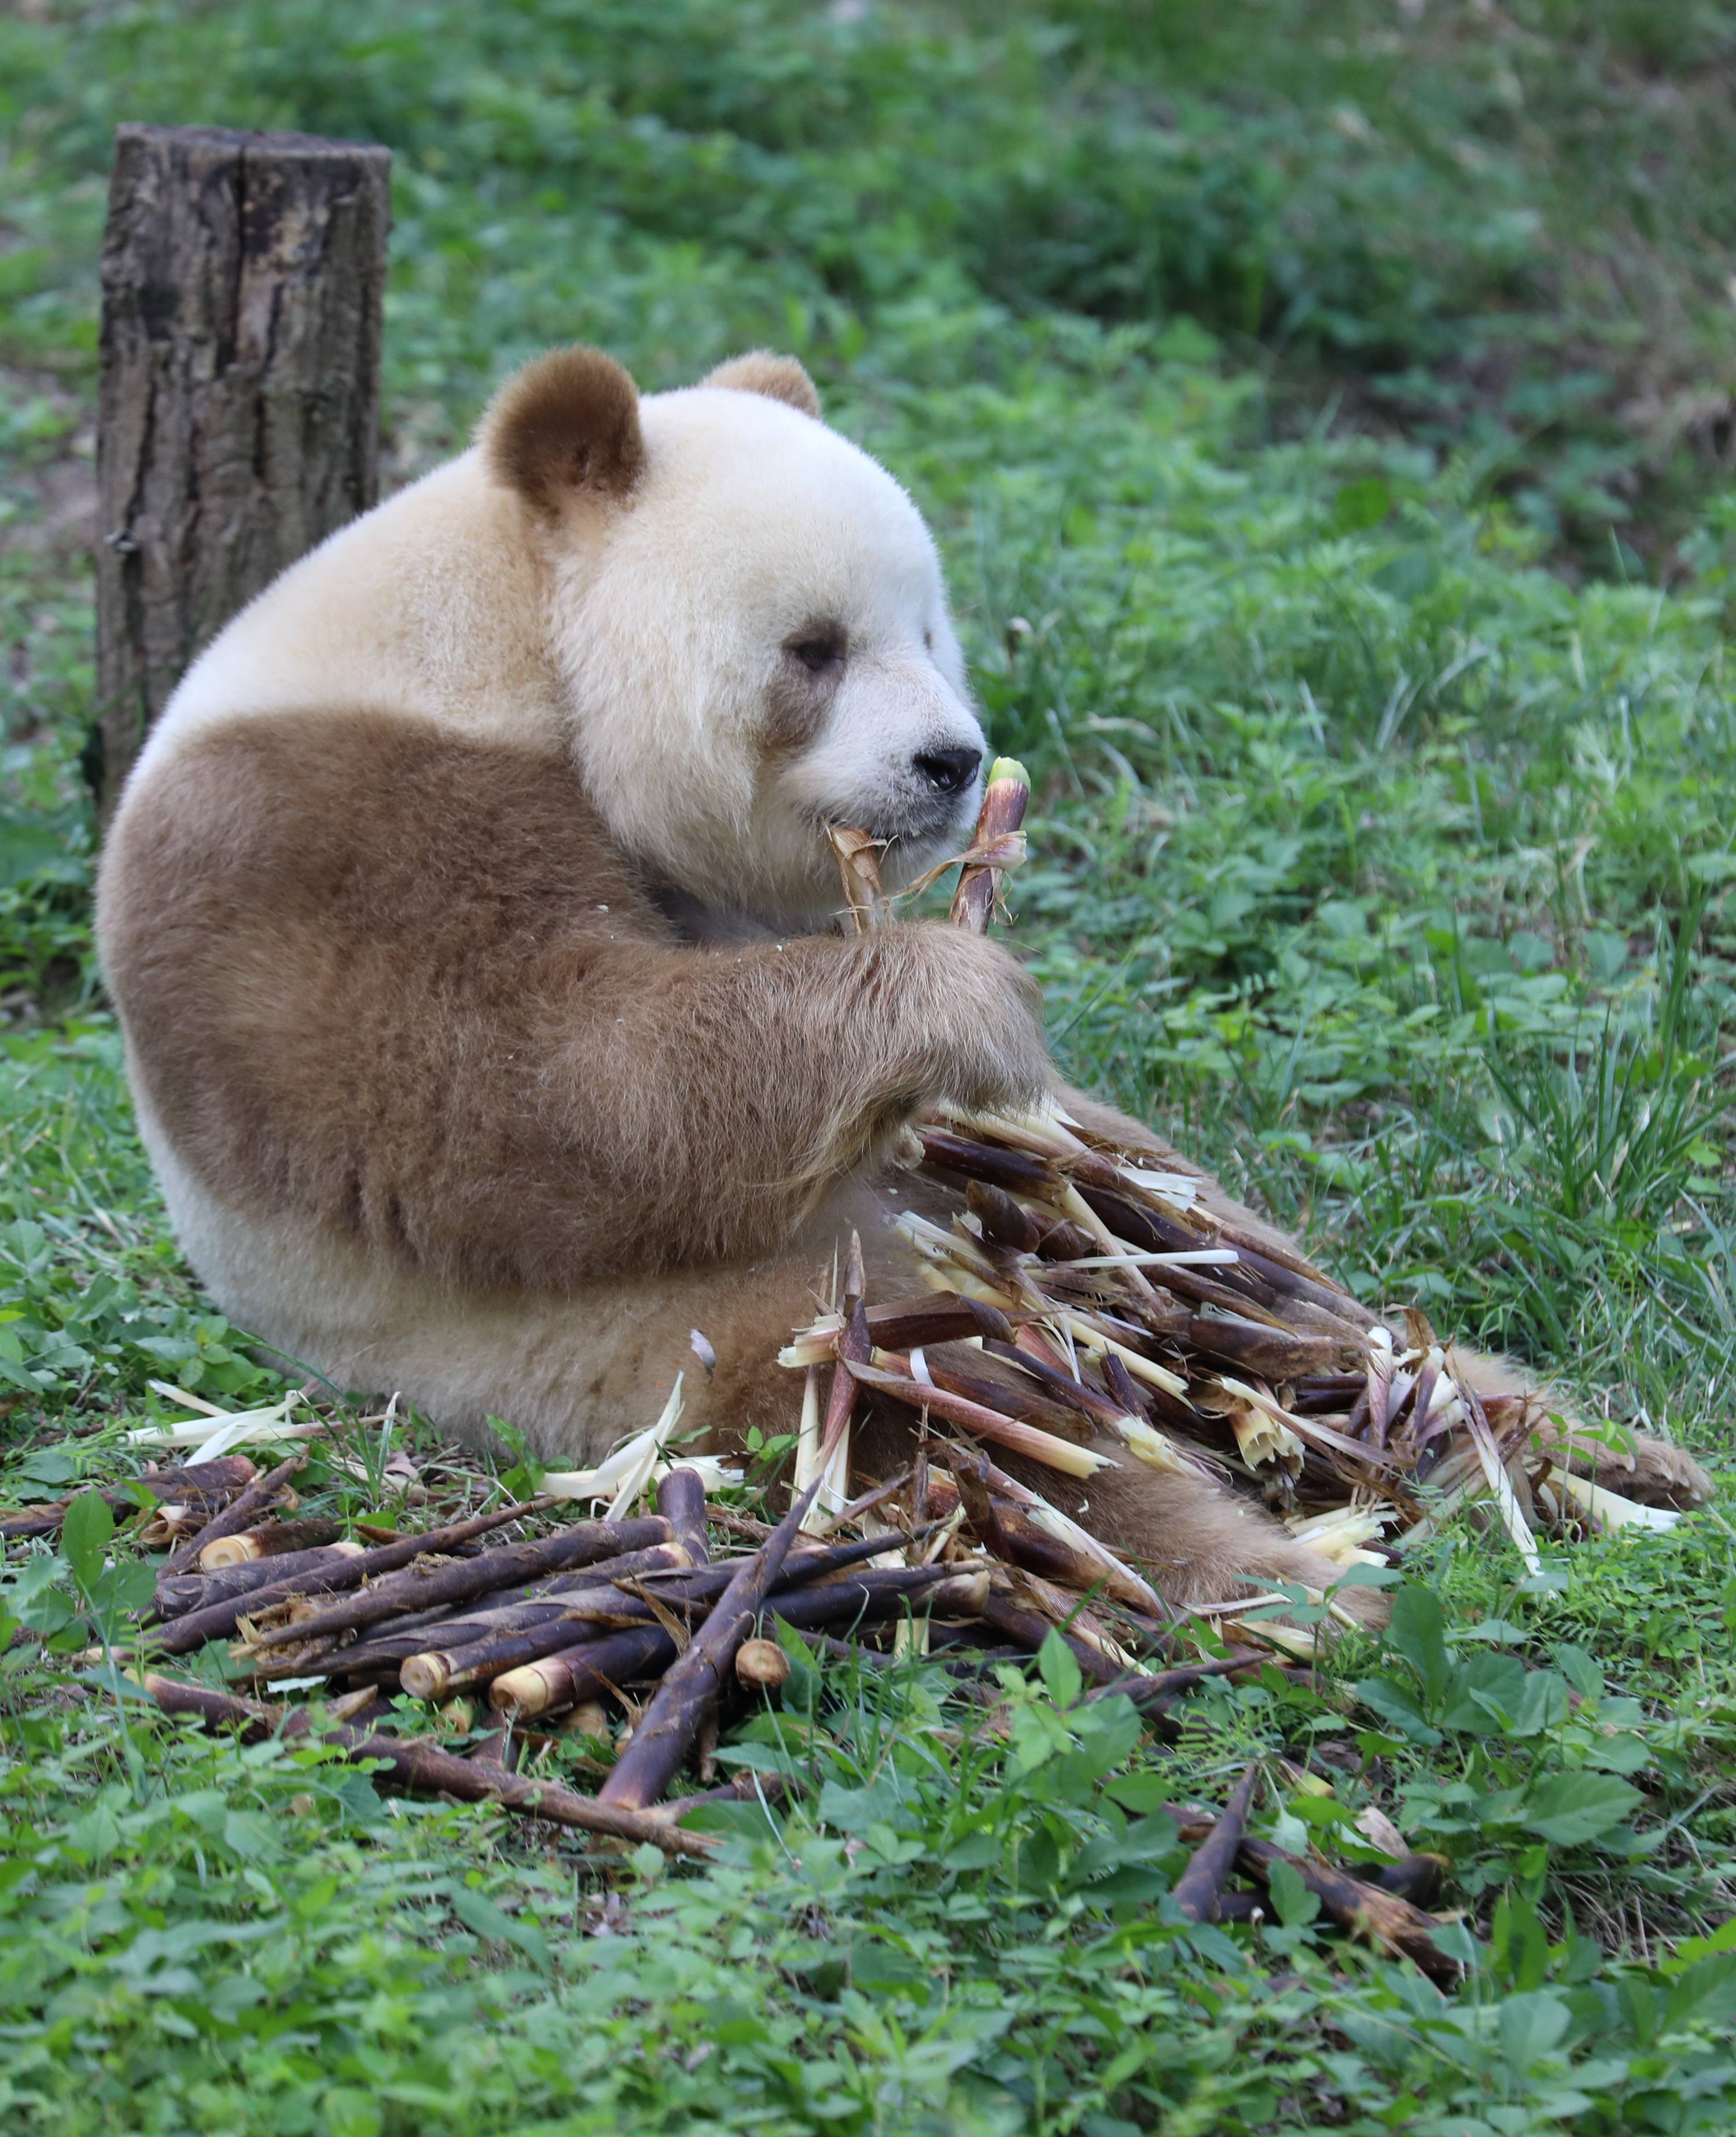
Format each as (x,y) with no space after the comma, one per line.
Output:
(470,914)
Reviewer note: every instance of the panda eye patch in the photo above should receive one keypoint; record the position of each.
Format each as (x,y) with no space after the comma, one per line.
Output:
(820,648)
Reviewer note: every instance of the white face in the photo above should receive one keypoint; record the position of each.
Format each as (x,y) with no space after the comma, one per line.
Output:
(758,645)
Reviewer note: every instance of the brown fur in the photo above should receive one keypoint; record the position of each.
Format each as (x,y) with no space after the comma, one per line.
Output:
(402,985)
(567,422)
(798,697)
(778,377)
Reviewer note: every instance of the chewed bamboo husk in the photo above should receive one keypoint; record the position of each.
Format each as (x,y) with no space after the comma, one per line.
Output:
(858,856)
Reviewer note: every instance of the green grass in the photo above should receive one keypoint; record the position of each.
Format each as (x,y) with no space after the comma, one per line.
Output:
(1321,410)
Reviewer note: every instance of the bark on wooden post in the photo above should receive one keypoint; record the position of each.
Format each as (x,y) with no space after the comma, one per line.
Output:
(242,279)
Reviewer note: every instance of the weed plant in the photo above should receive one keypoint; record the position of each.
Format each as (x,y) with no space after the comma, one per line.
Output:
(1325,411)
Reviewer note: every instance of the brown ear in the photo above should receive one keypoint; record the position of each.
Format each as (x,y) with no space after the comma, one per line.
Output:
(567,422)
(778,377)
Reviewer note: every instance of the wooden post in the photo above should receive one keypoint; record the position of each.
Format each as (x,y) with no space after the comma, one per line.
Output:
(242,282)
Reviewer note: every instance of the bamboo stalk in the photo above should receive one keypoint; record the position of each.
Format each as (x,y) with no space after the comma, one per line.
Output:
(1025,1401)
(681,1502)
(942,1316)
(193,1591)
(515,1610)
(748,1787)
(199,1484)
(219,1619)
(1118,1580)
(268,1540)
(425,1767)
(480,1649)
(457,1579)
(1417,1878)
(1091,1402)
(1195,1894)
(1501,1485)
(1028,1629)
(237,1516)
(1026,1231)
(882,1591)
(991,1164)
(1150,1688)
(835,1440)
(440,1673)
(1005,799)
(590,1666)
(1087,1330)
(858,857)
(585,1671)
(984,1423)
(877,1495)
(667,1730)
(1383,1917)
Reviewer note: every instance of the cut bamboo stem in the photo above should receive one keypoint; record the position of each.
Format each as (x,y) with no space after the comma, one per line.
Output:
(201,1484)
(1028,1629)
(985,1423)
(219,1619)
(193,1591)
(593,1666)
(587,1671)
(414,1589)
(542,1603)
(666,1732)
(1382,1916)
(268,1540)
(261,1493)
(424,1767)
(762,1665)
(681,1502)
(1197,1889)
(1153,1687)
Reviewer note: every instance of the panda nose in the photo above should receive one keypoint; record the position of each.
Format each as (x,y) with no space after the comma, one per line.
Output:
(948,770)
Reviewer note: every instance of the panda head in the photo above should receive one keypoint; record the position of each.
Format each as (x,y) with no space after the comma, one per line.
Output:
(749,619)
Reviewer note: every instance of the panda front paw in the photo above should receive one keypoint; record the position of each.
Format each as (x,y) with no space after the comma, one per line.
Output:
(975,1021)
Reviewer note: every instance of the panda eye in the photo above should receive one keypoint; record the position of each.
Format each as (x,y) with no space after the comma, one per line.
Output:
(818,650)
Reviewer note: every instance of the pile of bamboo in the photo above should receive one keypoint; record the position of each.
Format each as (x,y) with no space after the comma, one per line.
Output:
(1128,1311)
(539,1635)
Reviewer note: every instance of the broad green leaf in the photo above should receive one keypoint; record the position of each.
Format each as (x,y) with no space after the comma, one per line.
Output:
(1574,1808)
(86,1535)
(1529,2025)
(1296,1906)
(1419,1632)
(1060,1672)
(1394,1703)
(1706,1994)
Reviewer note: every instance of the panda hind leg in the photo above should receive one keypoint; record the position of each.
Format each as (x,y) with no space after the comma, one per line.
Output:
(1195,1540)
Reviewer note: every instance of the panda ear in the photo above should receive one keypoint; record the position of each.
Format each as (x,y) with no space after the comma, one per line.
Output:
(566,425)
(778,377)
